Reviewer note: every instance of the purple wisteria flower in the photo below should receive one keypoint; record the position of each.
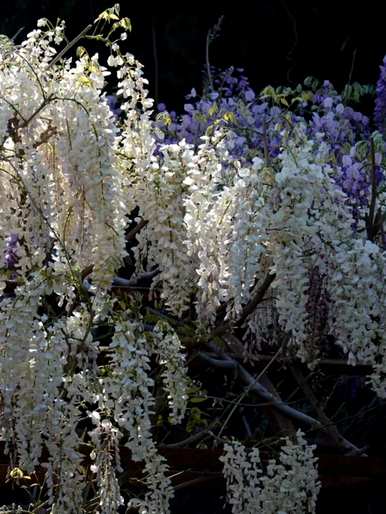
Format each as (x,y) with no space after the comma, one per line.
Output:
(380,100)
(339,125)
(113,103)
(11,257)
(255,125)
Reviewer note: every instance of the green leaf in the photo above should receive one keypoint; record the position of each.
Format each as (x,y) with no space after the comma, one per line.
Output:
(283,101)
(197,399)
(268,92)
(81,51)
(110,14)
(213,109)
(126,24)
(230,117)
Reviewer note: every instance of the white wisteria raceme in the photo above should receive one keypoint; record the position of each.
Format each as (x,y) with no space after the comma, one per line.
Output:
(296,206)
(224,231)
(205,233)
(92,220)
(26,390)
(58,162)
(106,464)
(358,297)
(65,466)
(160,191)
(125,397)
(308,214)
(288,484)
(313,246)
(40,406)
(248,234)
(291,220)
(159,484)
(126,392)
(137,141)
(168,348)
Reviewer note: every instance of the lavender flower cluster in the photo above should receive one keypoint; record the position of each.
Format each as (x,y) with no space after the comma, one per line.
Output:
(380,103)
(232,103)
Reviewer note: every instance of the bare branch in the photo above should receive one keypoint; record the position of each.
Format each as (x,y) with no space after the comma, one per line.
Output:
(255,386)
(329,426)
(134,231)
(248,309)
(69,46)
(218,363)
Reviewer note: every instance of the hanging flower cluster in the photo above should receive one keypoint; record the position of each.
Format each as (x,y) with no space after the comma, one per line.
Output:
(64,204)
(239,193)
(289,484)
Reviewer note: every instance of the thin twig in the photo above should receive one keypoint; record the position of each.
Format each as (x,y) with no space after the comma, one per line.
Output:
(69,46)
(218,363)
(359,369)
(354,54)
(259,296)
(290,54)
(155,58)
(248,309)
(329,425)
(196,481)
(371,232)
(284,422)
(251,384)
(136,280)
(134,231)
(192,438)
(188,440)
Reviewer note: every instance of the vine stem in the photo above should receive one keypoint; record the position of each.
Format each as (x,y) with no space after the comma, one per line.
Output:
(69,46)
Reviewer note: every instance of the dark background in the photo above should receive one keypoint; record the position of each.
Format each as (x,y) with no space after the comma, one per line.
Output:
(277,42)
